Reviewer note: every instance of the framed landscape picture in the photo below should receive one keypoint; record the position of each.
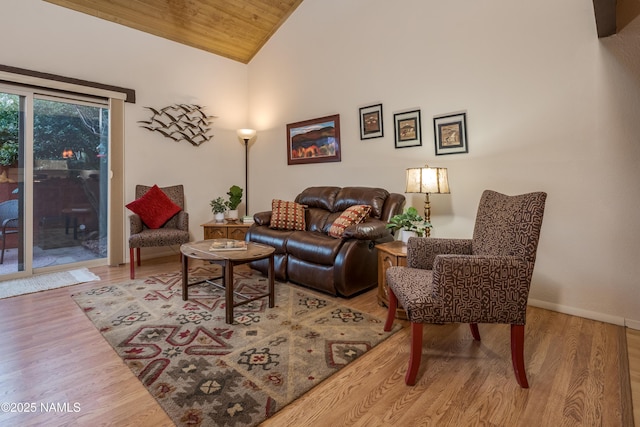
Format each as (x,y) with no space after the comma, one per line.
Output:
(314,141)
(451,134)
(408,129)
(371,122)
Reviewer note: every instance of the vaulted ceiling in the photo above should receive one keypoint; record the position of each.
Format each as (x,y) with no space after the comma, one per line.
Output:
(238,29)
(233,29)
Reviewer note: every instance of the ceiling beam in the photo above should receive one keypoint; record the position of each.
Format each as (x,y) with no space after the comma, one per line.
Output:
(613,15)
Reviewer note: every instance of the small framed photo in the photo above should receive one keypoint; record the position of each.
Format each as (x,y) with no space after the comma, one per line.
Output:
(451,134)
(314,141)
(408,129)
(371,122)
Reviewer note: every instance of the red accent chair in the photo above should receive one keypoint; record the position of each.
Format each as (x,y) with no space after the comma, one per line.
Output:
(174,232)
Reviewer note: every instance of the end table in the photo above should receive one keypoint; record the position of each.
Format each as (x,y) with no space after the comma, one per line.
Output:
(390,254)
(225,230)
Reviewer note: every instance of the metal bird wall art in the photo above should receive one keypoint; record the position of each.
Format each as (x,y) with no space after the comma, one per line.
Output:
(180,122)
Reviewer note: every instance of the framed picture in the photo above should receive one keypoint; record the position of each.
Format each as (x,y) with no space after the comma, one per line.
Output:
(371,122)
(408,129)
(314,141)
(451,134)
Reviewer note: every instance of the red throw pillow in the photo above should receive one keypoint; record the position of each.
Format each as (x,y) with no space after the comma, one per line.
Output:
(286,215)
(154,207)
(353,215)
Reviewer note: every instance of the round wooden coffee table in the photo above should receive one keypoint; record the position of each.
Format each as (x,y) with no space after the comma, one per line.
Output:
(216,251)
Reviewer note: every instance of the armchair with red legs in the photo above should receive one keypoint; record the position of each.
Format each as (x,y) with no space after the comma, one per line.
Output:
(159,219)
(485,279)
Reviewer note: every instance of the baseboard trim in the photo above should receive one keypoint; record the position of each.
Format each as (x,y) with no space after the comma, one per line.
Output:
(593,315)
(632,324)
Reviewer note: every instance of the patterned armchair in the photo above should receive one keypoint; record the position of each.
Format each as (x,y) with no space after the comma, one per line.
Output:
(481,280)
(174,232)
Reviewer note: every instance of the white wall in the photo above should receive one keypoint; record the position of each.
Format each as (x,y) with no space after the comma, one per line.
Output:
(47,38)
(550,107)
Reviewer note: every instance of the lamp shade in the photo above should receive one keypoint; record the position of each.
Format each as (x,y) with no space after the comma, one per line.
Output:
(427,180)
(246,133)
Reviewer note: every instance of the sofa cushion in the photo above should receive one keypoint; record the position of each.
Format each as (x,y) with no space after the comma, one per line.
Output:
(316,219)
(353,215)
(319,197)
(286,215)
(154,207)
(316,248)
(269,236)
(349,196)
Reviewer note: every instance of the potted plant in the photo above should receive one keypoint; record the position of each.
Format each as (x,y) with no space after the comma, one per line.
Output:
(409,223)
(218,207)
(235,197)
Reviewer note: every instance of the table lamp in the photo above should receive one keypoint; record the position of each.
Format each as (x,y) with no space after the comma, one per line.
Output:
(427,180)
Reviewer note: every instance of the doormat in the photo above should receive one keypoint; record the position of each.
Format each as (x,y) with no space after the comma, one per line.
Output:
(43,282)
(203,371)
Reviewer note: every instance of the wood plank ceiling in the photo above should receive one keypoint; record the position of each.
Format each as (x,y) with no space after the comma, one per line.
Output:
(234,29)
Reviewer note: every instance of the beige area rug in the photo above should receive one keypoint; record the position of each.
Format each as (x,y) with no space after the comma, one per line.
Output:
(204,372)
(43,282)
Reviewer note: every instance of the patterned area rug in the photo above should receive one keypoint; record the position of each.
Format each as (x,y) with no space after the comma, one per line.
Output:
(204,372)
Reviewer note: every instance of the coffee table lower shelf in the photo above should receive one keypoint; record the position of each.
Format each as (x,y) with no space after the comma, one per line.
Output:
(227,260)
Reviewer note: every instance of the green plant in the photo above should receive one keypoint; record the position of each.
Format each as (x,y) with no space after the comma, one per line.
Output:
(8,153)
(218,205)
(410,221)
(235,197)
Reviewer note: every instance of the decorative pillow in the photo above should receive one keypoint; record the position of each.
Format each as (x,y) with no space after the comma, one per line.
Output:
(286,215)
(353,215)
(154,207)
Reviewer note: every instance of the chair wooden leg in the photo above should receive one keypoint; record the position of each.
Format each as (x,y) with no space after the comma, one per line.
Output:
(391,314)
(132,268)
(416,353)
(474,331)
(517,354)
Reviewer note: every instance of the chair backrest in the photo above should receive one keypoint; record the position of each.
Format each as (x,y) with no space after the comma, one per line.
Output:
(174,192)
(509,225)
(8,210)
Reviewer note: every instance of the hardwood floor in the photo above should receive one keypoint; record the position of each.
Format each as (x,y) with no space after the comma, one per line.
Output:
(633,346)
(577,369)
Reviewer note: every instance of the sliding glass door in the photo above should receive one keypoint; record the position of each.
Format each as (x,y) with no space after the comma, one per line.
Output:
(70,140)
(12,208)
(61,183)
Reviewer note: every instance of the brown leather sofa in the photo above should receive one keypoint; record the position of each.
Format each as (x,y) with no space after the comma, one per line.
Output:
(338,266)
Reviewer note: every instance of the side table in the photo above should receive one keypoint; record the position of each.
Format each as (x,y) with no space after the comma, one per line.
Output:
(390,254)
(225,230)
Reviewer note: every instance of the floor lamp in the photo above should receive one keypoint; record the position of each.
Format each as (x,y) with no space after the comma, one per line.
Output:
(246,135)
(427,180)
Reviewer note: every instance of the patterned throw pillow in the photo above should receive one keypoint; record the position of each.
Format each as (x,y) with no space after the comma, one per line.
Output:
(286,215)
(154,207)
(353,215)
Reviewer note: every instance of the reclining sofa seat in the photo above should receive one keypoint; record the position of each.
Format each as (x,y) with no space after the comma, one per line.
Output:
(338,266)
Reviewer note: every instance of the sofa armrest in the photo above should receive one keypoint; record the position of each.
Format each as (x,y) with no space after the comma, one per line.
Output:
(371,229)
(422,251)
(262,218)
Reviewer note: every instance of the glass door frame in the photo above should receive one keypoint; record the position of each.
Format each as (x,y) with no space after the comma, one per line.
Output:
(26,179)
